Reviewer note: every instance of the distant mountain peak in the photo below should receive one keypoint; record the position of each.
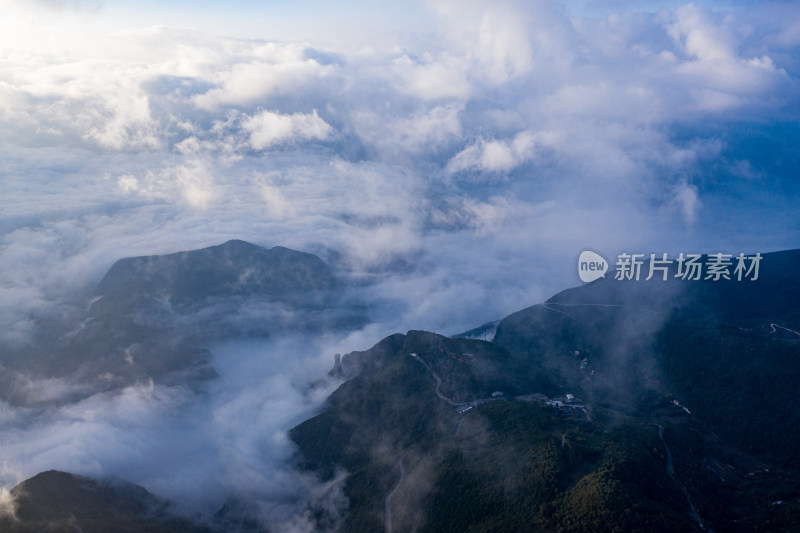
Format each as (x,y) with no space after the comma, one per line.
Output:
(234,268)
(239,242)
(153,316)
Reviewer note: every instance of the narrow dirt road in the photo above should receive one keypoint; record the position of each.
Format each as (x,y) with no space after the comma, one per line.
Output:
(438,381)
(787,329)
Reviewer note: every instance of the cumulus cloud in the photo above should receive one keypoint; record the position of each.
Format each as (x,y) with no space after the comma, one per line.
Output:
(260,72)
(267,128)
(701,36)
(495,156)
(725,77)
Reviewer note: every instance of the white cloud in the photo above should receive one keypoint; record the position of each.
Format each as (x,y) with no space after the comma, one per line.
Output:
(503,46)
(268,128)
(442,78)
(429,130)
(687,201)
(174,115)
(719,76)
(495,156)
(191,184)
(130,125)
(260,72)
(276,204)
(701,36)
(197,450)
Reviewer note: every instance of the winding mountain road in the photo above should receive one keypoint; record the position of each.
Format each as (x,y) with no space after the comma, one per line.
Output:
(787,329)
(437,378)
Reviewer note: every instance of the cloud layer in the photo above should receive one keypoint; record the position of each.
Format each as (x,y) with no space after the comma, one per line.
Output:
(161,138)
(200,450)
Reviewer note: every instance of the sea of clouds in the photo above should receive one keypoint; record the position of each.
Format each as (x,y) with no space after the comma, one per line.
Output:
(457,171)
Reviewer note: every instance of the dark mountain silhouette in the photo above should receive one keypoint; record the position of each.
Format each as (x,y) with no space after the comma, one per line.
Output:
(235,268)
(151,318)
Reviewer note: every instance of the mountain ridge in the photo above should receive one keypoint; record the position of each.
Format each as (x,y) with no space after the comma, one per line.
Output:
(153,317)
(233,268)
(637,354)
